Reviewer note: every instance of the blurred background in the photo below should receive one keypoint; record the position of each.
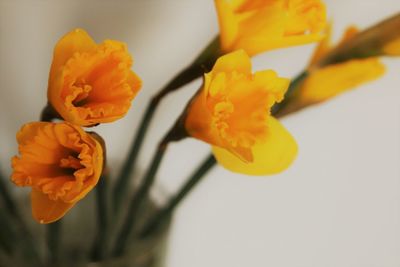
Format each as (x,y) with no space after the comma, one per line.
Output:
(338,205)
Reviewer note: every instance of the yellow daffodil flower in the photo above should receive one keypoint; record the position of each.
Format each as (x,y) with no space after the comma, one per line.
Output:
(262,25)
(232,113)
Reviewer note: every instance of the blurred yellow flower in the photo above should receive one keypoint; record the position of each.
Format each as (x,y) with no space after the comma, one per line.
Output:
(91,83)
(331,80)
(61,163)
(232,113)
(262,25)
(392,48)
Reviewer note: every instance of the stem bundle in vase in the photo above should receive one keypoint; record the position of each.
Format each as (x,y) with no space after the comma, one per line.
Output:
(236,111)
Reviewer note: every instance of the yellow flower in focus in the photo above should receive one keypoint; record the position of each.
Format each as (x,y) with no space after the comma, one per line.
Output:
(232,113)
(61,163)
(262,25)
(91,83)
(331,80)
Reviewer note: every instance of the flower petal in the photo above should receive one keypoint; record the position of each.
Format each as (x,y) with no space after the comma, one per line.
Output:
(272,156)
(45,210)
(28,131)
(259,44)
(77,40)
(228,24)
(332,80)
(236,61)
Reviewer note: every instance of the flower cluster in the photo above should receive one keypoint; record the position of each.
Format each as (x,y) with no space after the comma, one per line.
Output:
(88,84)
(235,110)
(232,110)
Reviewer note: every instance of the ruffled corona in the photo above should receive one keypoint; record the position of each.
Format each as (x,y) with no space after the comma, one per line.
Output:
(262,25)
(328,81)
(91,83)
(231,112)
(61,163)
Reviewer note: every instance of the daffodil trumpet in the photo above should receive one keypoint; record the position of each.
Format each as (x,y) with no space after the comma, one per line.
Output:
(91,83)
(60,162)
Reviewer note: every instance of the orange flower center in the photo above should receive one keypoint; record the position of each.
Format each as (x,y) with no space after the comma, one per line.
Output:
(239,108)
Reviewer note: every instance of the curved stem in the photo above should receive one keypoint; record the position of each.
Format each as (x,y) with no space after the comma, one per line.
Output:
(21,226)
(7,233)
(201,64)
(121,186)
(164,213)
(136,203)
(49,113)
(10,203)
(100,246)
(53,242)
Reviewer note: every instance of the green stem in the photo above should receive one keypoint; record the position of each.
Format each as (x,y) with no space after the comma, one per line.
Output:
(203,62)
(122,183)
(53,242)
(7,260)
(49,113)
(15,242)
(194,179)
(136,203)
(101,245)
(7,233)
(6,196)
(11,206)
(22,229)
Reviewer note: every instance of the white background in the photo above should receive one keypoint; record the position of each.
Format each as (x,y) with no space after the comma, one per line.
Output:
(338,205)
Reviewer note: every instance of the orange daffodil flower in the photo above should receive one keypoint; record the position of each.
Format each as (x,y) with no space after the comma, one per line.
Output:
(262,25)
(91,83)
(232,113)
(331,80)
(61,163)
